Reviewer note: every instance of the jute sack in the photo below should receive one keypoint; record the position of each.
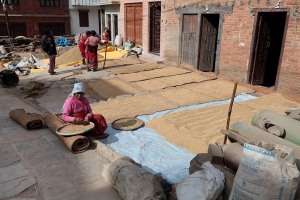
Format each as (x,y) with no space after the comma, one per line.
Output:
(267,175)
(134,183)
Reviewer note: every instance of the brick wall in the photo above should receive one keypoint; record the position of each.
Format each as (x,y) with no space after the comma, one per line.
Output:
(33,7)
(31,13)
(237,39)
(145,29)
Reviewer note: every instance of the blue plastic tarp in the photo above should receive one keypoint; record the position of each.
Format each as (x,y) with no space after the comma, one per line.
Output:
(152,151)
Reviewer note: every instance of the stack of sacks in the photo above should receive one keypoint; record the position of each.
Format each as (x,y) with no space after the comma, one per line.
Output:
(225,158)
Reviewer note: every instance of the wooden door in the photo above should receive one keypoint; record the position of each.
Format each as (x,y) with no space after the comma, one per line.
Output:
(208,42)
(261,52)
(155,17)
(134,23)
(189,40)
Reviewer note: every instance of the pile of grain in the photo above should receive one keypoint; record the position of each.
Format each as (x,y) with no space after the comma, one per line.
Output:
(73,55)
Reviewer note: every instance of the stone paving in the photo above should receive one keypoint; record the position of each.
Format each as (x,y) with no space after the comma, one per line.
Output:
(35,164)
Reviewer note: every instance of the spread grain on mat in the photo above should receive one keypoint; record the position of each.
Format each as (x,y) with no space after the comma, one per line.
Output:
(196,128)
(75,128)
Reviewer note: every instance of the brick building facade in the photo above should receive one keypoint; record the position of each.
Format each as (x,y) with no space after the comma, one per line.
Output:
(29,18)
(257,40)
(143,22)
(251,41)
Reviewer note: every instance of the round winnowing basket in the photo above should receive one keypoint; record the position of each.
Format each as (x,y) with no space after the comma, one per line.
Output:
(74,129)
(127,124)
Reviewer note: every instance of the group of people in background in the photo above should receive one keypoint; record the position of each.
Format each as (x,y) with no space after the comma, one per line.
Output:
(88,45)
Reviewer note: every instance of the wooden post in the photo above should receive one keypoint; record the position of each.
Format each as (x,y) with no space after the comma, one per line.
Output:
(105,55)
(230,109)
(7,21)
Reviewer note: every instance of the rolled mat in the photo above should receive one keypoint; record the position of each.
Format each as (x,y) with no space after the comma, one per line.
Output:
(257,134)
(287,127)
(75,144)
(30,121)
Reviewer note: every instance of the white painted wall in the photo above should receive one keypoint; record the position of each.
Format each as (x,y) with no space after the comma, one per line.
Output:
(93,20)
(112,9)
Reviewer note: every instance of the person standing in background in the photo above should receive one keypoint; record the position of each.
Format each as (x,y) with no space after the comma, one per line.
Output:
(50,50)
(106,35)
(82,46)
(92,46)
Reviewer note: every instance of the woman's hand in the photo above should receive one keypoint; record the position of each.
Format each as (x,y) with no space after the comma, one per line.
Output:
(78,120)
(86,119)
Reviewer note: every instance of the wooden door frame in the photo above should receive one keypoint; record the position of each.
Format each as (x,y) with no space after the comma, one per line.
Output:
(150,33)
(211,9)
(179,59)
(218,42)
(254,41)
(125,16)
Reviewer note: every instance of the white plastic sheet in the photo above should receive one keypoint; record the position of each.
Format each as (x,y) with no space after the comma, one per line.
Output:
(205,184)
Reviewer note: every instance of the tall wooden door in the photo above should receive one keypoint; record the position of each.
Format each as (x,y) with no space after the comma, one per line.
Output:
(189,40)
(261,52)
(155,17)
(208,42)
(134,23)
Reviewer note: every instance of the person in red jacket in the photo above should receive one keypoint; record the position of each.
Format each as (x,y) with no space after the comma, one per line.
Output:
(77,109)
(106,35)
(92,46)
(82,46)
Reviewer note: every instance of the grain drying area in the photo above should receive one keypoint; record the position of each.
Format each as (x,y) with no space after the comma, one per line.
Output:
(167,126)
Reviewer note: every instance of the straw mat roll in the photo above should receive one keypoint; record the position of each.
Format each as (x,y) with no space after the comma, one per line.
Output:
(29,121)
(75,144)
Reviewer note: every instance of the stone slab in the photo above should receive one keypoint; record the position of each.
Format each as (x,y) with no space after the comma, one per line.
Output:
(16,186)
(8,159)
(13,172)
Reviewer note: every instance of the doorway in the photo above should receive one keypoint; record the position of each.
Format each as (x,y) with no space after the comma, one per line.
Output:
(189,40)
(155,17)
(208,42)
(266,50)
(102,19)
(133,22)
(108,21)
(116,29)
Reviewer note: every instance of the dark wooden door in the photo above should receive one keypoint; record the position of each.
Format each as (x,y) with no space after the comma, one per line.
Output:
(189,40)
(134,23)
(261,52)
(155,17)
(208,42)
